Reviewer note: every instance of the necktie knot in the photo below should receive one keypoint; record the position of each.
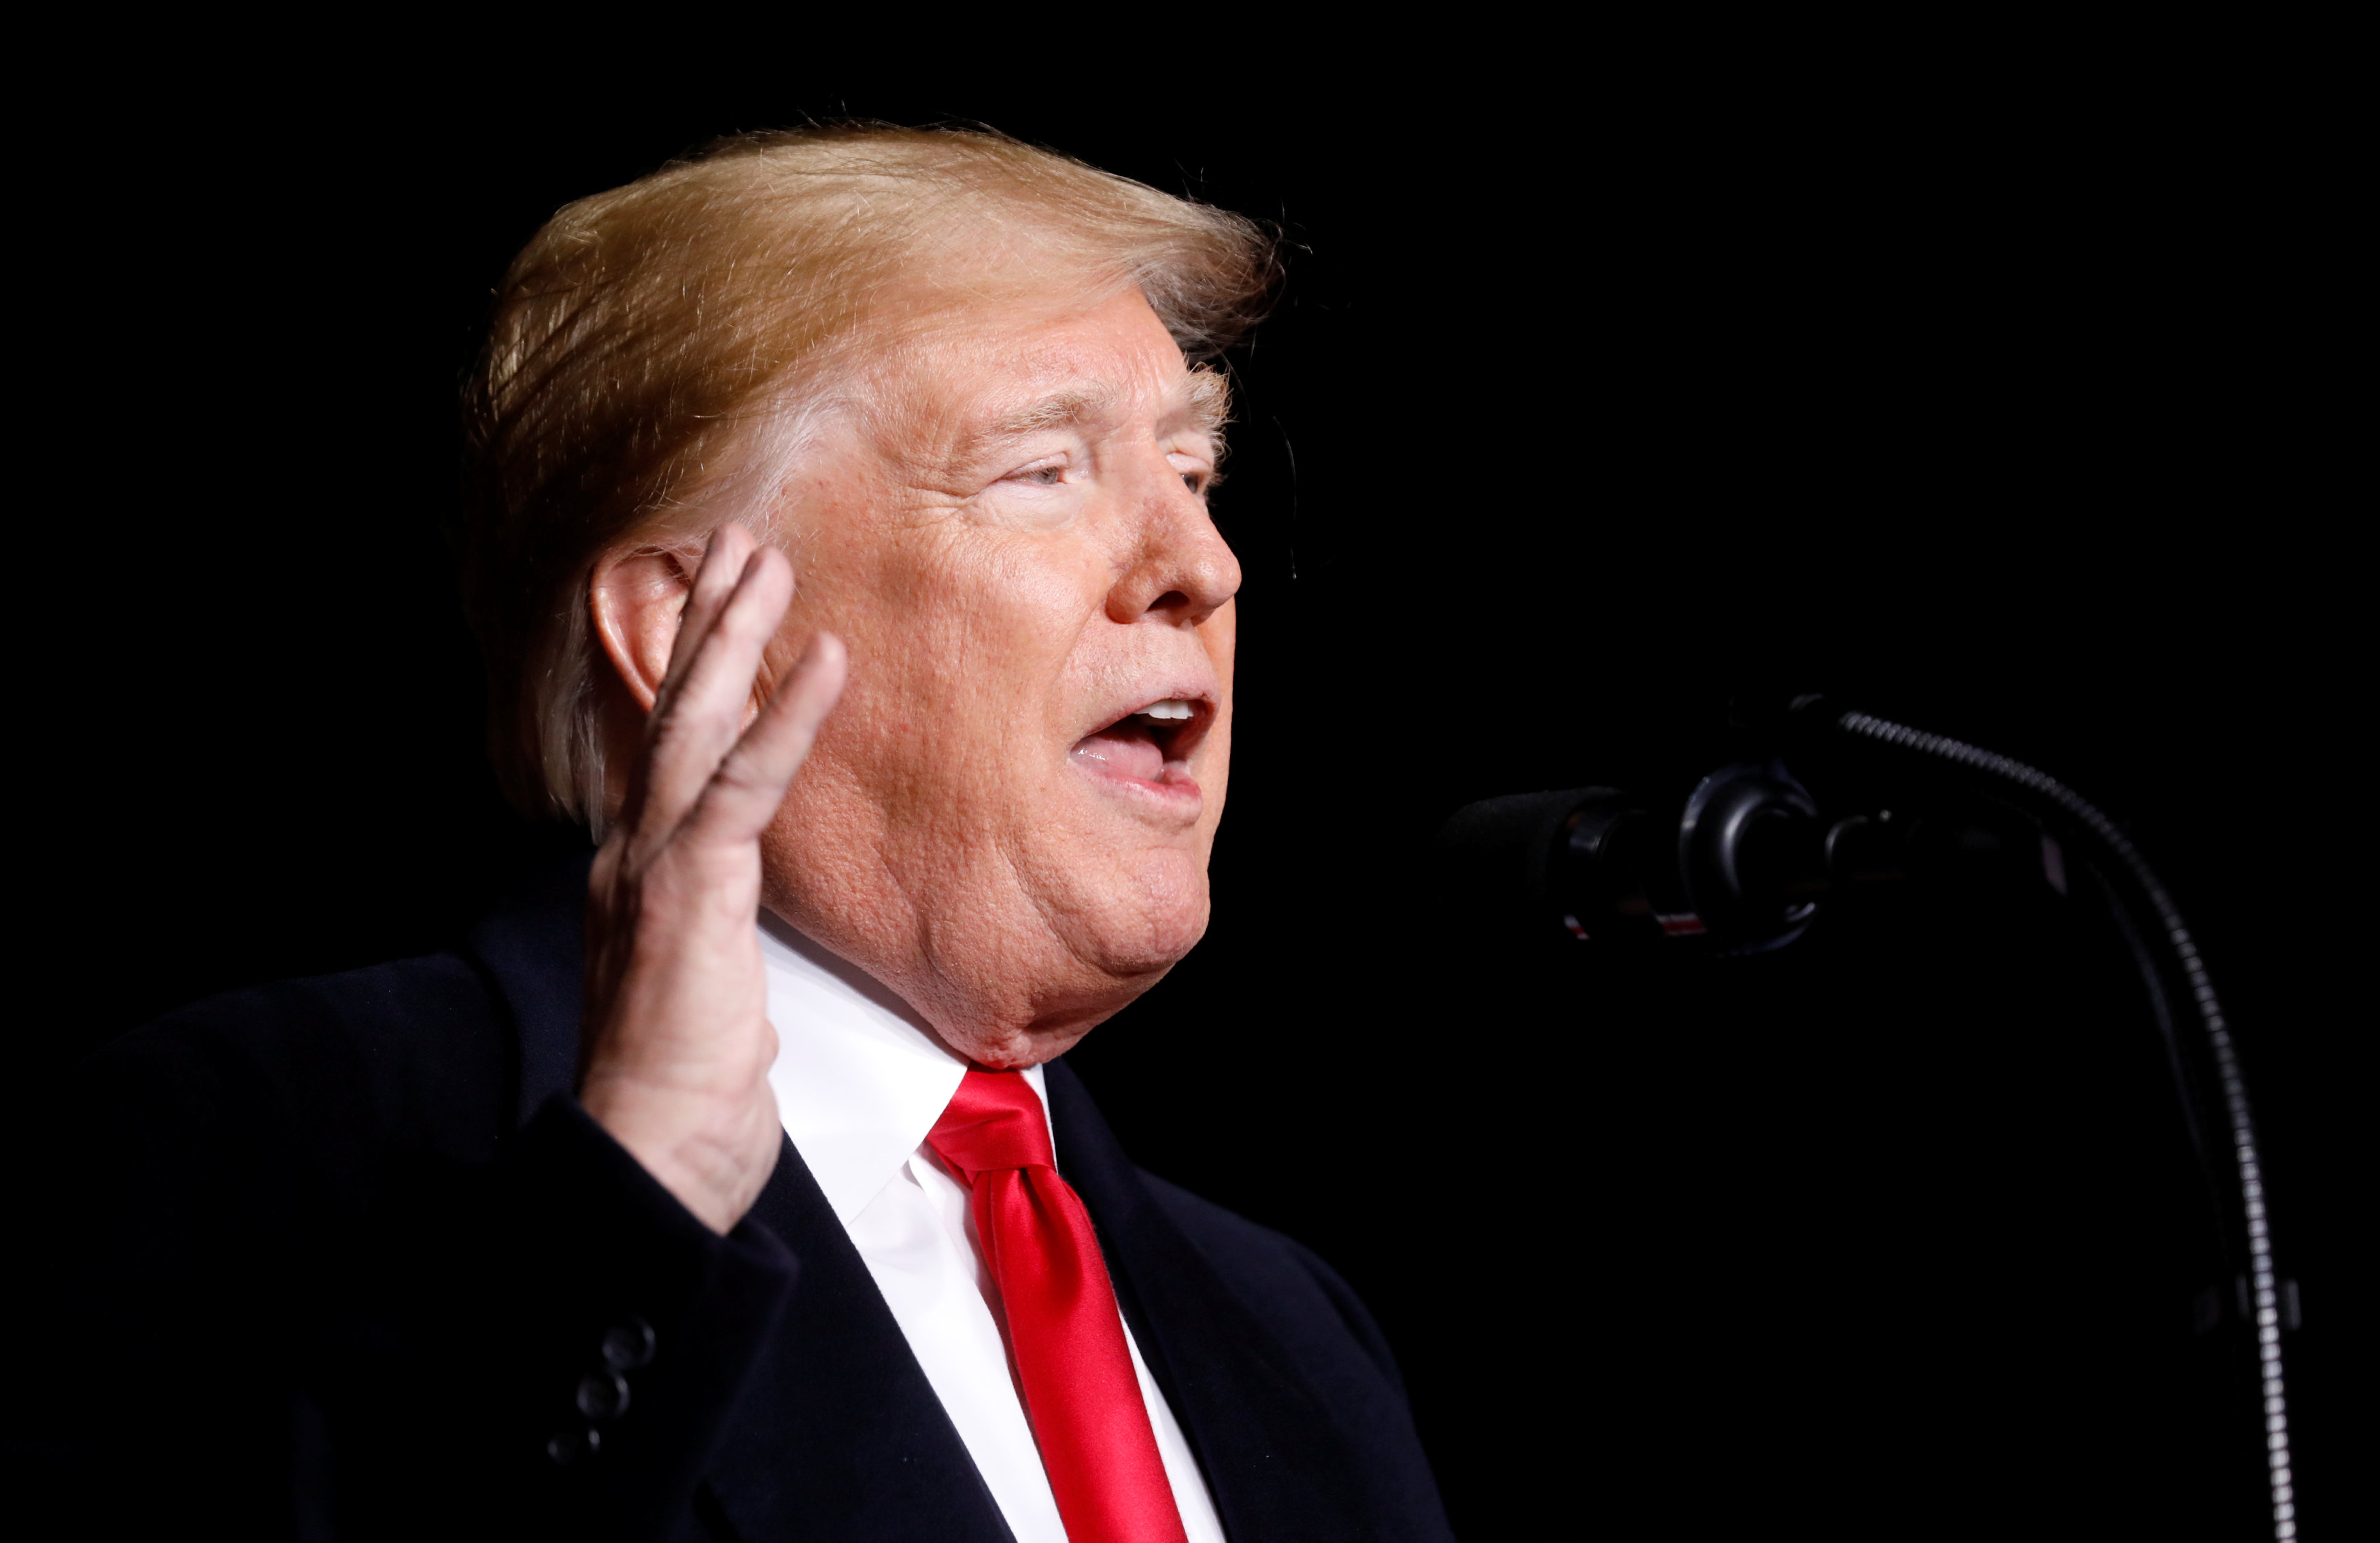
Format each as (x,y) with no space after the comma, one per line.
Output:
(994,1122)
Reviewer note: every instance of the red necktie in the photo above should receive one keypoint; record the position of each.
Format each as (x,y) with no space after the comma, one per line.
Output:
(1079,1388)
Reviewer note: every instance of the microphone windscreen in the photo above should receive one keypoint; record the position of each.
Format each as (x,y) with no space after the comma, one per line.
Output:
(1493,856)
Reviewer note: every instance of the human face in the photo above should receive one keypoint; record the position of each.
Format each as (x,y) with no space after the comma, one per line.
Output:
(1007,819)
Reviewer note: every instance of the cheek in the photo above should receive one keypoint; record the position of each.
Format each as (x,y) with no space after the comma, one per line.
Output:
(1221,634)
(1000,639)
(959,650)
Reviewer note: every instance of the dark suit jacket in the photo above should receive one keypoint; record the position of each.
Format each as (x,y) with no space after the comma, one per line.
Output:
(337,1254)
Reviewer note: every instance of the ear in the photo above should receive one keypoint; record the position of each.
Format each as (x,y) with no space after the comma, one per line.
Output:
(637,598)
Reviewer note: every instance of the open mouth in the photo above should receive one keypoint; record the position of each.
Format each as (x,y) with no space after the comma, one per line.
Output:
(1150,745)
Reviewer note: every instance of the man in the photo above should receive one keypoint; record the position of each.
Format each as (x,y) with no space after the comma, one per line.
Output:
(837,536)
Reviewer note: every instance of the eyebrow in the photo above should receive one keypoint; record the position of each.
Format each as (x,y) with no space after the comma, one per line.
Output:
(1210,402)
(1209,405)
(1051,412)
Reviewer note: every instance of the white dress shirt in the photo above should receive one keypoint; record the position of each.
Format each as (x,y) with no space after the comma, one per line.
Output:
(860,1081)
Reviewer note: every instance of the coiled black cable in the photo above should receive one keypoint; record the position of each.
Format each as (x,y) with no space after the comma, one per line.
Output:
(2066,807)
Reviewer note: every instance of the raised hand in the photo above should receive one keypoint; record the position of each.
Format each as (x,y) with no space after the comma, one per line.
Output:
(675,1060)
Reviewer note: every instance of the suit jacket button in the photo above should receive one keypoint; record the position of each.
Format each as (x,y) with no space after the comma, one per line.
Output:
(628,1345)
(602,1395)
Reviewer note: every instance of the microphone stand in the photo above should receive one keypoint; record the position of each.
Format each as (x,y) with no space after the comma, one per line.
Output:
(1741,865)
(2162,947)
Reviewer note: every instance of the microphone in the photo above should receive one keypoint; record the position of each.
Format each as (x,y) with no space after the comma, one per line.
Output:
(1741,861)
(1745,859)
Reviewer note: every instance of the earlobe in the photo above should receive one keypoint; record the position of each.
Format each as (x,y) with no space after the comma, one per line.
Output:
(634,600)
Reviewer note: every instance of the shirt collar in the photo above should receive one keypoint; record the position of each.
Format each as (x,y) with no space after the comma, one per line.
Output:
(859,1077)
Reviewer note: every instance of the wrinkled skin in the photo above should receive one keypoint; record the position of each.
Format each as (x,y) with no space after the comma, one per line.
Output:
(1007,530)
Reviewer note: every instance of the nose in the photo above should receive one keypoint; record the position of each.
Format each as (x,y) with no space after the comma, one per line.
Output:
(1180,570)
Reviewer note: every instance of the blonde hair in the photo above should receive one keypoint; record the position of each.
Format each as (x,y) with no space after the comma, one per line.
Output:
(658,352)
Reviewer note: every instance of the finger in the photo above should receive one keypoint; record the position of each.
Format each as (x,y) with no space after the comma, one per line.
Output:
(751,782)
(723,560)
(724,557)
(705,715)
(708,709)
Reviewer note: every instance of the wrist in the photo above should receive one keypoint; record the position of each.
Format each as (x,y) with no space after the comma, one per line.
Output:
(710,1158)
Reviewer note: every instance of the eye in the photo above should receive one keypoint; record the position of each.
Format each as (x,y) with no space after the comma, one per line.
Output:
(1196,468)
(1051,473)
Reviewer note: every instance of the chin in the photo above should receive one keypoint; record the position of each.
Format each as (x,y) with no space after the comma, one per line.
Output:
(1152,917)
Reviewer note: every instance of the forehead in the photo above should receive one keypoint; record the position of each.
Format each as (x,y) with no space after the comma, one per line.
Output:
(1000,370)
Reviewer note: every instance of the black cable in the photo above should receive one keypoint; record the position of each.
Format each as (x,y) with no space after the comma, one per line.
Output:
(2173,935)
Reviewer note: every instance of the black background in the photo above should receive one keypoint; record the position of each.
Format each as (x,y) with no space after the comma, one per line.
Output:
(2013,405)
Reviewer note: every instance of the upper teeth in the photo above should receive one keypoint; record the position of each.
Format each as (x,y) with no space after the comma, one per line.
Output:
(1173,706)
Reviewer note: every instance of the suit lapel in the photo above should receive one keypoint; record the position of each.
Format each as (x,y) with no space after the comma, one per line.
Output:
(842,1436)
(1271,1452)
(838,1435)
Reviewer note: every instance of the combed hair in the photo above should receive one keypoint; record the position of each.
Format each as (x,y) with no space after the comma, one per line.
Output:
(658,352)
